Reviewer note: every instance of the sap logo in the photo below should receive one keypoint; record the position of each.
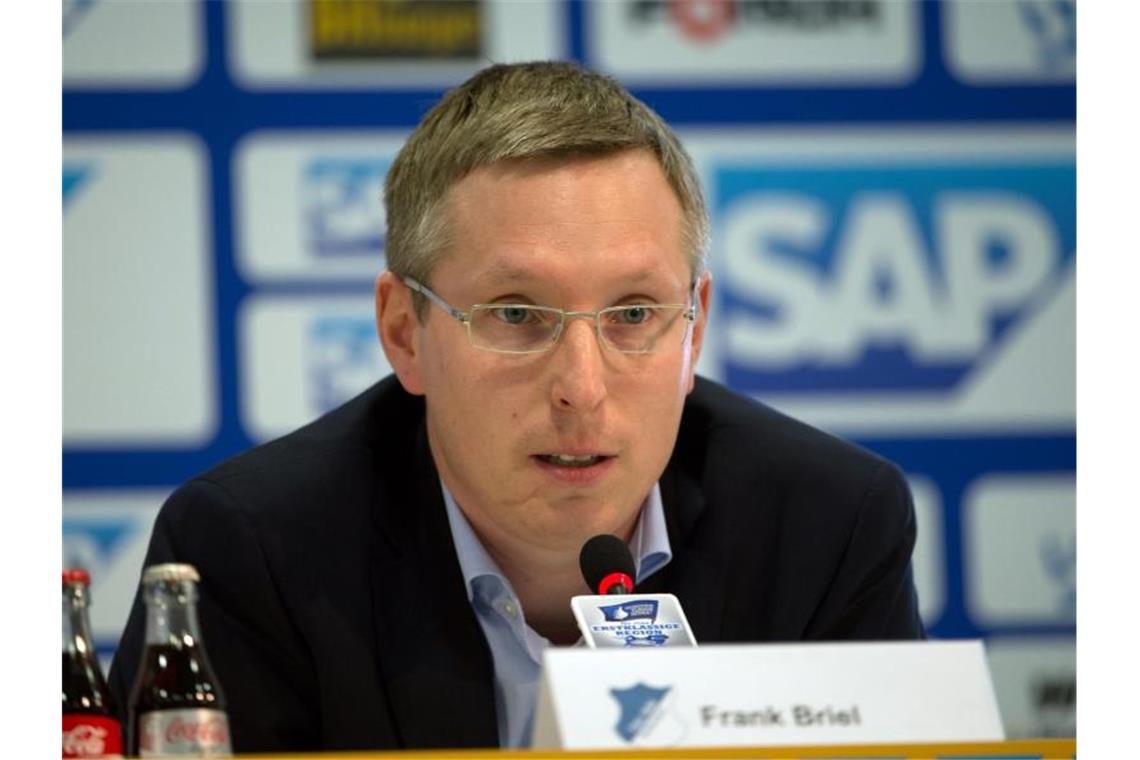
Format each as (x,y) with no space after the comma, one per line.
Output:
(73,13)
(877,278)
(1053,25)
(94,544)
(646,717)
(74,177)
(344,358)
(344,208)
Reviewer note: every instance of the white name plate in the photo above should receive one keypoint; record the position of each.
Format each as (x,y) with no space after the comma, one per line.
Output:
(722,695)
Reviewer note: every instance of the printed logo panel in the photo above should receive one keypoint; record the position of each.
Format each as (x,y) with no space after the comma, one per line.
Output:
(929,560)
(303,356)
(107,532)
(90,735)
(362,30)
(312,207)
(1035,680)
(1012,42)
(1020,534)
(197,732)
(895,282)
(647,716)
(138,290)
(833,42)
(380,43)
(107,43)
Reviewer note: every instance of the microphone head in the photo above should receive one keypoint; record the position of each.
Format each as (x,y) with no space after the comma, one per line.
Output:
(602,556)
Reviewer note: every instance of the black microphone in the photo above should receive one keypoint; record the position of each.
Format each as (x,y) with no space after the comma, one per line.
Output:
(607,565)
(613,616)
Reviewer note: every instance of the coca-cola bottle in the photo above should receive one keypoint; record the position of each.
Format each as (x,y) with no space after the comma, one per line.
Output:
(177,706)
(90,728)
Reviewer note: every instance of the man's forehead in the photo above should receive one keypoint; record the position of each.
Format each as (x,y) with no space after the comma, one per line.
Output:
(515,241)
(514,272)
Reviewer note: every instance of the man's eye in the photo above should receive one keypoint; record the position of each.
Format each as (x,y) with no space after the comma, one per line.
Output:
(633,315)
(512,315)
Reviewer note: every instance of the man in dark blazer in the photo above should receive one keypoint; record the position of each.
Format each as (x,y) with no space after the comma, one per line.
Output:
(387,576)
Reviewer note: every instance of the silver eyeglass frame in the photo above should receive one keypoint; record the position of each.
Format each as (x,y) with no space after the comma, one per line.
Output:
(689,315)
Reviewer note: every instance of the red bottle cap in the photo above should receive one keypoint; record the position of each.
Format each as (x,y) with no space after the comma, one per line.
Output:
(76,575)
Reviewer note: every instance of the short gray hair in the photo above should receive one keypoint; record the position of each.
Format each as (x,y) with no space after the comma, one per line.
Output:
(519,111)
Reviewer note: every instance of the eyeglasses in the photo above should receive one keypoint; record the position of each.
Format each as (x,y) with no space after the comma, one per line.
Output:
(516,328)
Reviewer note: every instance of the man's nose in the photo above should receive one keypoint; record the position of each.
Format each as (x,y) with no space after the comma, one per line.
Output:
(578,368)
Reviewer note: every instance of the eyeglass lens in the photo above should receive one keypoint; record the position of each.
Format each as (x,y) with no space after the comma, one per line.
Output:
(525,328)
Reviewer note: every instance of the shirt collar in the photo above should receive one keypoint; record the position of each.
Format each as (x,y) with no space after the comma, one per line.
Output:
(474,561)
(650,543)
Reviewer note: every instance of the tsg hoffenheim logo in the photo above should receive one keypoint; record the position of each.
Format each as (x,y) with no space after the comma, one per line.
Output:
(1053,25)
(73,13)
(1059,558)
(94,544)
(343,206)
(101,545)
(74,177)
(344,358)
(646,716)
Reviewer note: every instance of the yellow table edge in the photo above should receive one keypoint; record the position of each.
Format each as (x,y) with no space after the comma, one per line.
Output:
(1047,749)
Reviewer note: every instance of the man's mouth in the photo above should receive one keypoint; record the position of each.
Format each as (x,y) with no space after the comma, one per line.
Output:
(572,460)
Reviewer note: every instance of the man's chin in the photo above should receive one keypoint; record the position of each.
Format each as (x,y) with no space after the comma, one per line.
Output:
(586,520)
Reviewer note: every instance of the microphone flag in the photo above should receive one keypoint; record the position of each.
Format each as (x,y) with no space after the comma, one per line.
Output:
(632,620)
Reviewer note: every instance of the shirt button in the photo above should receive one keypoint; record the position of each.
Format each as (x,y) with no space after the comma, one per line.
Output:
(510,609)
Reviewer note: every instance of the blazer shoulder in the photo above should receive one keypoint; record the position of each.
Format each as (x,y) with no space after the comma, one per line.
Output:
(756,449)
(332,459)
(765,496)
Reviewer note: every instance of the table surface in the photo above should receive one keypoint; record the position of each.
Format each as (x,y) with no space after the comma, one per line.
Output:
(1021,749)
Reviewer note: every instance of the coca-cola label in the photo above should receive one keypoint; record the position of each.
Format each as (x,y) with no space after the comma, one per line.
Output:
(87,735)
(184,732)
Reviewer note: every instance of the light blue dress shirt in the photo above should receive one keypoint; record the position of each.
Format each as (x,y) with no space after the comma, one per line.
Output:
(515,647)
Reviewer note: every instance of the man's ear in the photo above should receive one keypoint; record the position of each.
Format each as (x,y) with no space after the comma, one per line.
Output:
(704,298)
(397,326)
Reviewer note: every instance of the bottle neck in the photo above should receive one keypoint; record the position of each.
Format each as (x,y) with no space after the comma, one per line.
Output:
(172,613)
(76,629)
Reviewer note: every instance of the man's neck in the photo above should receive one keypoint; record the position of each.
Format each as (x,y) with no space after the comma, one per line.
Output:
(544,582)
(544,578)
(545,600)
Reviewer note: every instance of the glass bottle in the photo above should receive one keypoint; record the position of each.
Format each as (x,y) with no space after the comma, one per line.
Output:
(177,705)
(90,726)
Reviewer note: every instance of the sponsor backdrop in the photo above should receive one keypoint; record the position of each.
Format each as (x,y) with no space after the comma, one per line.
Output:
(892,187)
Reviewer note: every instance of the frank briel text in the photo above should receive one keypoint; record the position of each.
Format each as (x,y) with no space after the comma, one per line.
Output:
(799,715)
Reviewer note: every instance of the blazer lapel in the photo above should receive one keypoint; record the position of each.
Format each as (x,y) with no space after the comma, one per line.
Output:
(433,658)
(697,574)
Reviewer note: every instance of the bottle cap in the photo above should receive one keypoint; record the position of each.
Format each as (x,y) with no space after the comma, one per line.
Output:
(76,575)
(170,571)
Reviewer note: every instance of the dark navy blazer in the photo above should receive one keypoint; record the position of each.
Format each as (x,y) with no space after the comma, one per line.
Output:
(334,612)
